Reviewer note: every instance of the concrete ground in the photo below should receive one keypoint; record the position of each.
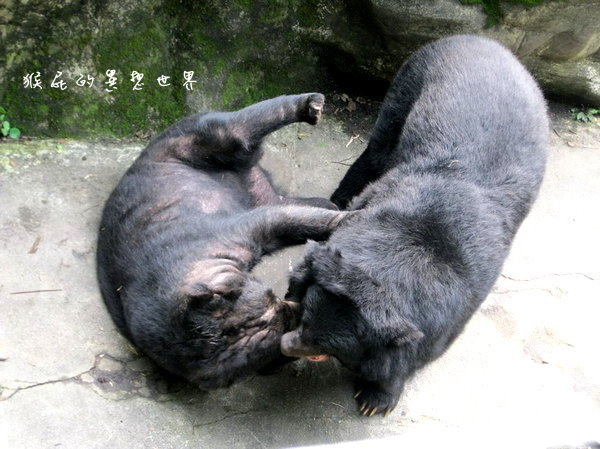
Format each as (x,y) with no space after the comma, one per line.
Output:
(524,374)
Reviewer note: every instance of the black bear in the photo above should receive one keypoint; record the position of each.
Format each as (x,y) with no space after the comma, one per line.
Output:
(453,166)
(184,227)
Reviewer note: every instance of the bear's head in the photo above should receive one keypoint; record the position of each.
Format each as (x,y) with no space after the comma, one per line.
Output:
(230,323)
(343,316)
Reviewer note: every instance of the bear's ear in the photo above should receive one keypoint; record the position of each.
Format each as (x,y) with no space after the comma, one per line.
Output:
(191,294)
(402,332)
(312,245)
(408,335)
(208,280)
(327,266)
(222,277)
(392,330)
(301,275)
(312,251)
(197,291)
(303,267)
(337,275)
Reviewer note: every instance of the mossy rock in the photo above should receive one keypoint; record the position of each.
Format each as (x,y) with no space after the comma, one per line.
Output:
(240,52)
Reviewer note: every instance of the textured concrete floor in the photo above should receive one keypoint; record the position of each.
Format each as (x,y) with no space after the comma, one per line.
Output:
(524,374)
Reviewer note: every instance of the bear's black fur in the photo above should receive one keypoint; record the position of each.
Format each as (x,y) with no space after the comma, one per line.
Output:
(453,166)
(184,227)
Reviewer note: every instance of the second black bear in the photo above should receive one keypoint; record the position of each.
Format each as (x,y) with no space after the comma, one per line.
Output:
(453,166)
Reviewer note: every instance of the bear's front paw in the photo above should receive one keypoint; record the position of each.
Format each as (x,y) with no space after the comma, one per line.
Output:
(372,399)
(314,108)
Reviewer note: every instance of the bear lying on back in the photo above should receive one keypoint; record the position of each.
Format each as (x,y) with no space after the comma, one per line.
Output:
(184,227)
(453,166)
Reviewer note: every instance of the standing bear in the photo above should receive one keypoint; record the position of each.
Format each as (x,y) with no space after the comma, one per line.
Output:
(453,166)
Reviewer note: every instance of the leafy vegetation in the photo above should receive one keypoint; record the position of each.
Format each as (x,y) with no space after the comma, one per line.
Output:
(585,114)
(6,128)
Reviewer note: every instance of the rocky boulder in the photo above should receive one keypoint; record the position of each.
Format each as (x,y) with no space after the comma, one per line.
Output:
(558,41)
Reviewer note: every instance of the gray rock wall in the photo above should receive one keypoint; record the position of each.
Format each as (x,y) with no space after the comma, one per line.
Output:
(242,51)
(558,41)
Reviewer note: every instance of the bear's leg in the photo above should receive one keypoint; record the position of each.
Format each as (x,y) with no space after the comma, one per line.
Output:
(267,116)
(363,171)
(232,139)
(275,227)
(264,194)
(382,152)
(260,119)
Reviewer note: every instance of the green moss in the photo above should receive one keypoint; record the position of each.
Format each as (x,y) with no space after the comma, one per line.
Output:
(244,87)
(246,61)
(238,85)
(142,48)
(25,151)
(139,41)
(243,3)
(276,11)
(241,51)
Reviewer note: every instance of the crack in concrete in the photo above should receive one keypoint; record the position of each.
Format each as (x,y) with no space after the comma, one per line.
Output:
(14,391)
(115,382)
(554,289)
(161,398)
(558,293)
(119,380)
(235,414)
(549,275)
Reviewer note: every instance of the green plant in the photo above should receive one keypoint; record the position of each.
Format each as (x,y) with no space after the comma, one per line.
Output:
(585,114)
(6,129)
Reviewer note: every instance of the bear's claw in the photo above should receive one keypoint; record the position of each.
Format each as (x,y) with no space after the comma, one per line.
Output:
(375,401)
